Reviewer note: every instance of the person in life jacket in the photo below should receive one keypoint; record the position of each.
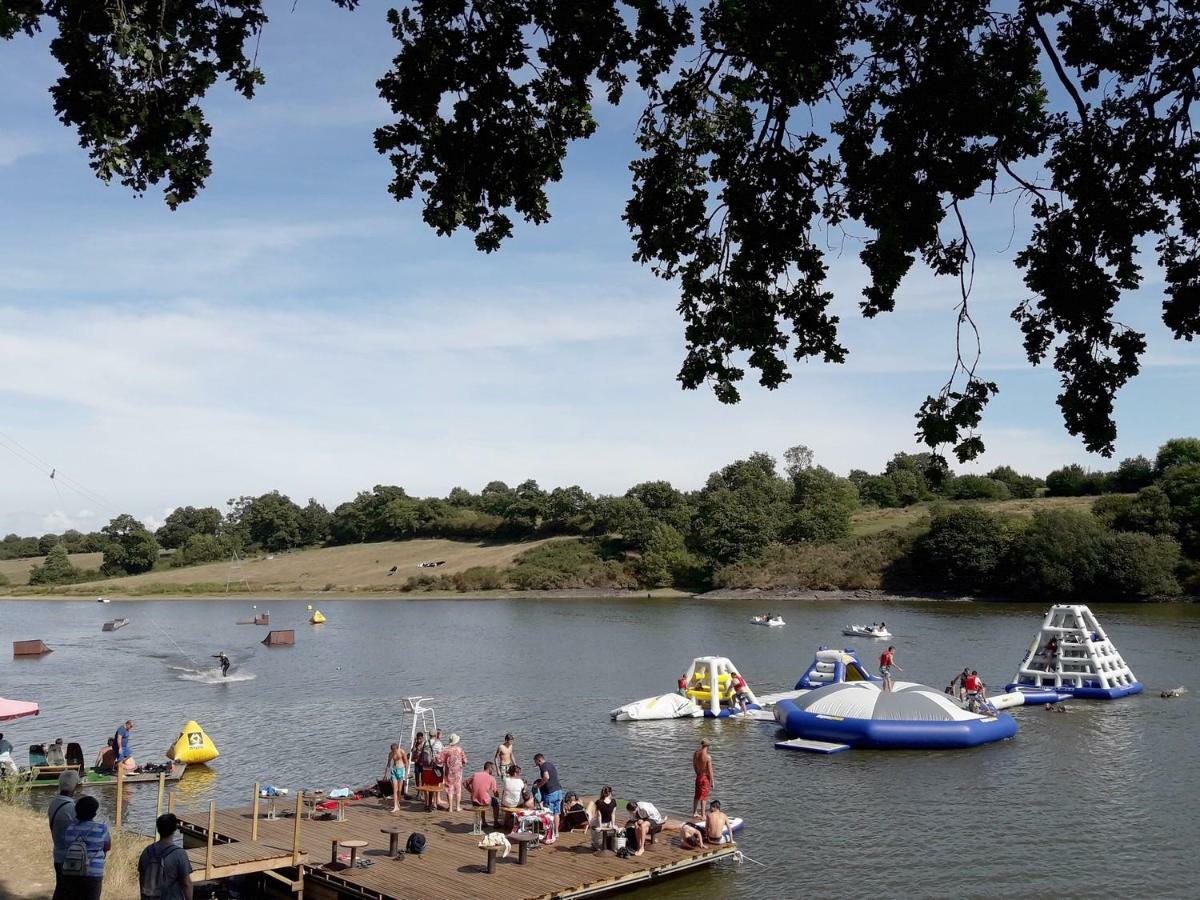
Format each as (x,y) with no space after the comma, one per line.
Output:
(223,661)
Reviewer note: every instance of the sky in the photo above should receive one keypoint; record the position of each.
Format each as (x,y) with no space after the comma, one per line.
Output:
(295,328)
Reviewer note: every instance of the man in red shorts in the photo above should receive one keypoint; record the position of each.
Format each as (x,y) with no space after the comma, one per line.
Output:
(703,764)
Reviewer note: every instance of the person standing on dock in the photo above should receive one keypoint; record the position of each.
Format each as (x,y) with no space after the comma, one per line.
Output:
(394,771)
(121,742)
(453,760)
(61,813)
(887,661)
(705,776)
(164,870)
(547,785)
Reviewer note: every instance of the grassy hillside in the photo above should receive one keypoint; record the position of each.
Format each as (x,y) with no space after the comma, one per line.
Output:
(866,522)
(352,568)
(17,570)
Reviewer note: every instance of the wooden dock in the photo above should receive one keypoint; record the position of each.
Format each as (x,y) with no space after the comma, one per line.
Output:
(453,867)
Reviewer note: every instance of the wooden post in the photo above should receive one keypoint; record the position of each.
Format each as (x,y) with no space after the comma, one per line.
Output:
(162,786)
(296,828)
(171,802)
(120,794)
(254,815)
(212,827)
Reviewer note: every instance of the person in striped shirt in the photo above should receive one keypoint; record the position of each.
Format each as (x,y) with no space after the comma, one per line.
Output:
(93,836)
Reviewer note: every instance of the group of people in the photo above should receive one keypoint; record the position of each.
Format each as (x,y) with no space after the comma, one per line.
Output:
(500,785)
(970,689)
(81,847)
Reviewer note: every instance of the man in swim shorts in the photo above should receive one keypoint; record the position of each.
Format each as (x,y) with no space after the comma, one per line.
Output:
(716,823)
(887,660)
(705,776)
(504,754)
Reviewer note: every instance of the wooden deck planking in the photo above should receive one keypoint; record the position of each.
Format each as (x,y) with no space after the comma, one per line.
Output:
(452,867)
(240,858)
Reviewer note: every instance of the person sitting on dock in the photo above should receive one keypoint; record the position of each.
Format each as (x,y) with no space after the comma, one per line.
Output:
(547,786)
(164,870)
(515,794)
(106,759)
(716,824)
(601,810)
(574,816)
(645,821)
(691,836)
(481,786)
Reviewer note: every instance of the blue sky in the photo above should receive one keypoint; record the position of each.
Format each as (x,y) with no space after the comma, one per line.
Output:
(296,328)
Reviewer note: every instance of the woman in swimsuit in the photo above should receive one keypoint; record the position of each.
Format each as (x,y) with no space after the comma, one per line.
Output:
(397,765)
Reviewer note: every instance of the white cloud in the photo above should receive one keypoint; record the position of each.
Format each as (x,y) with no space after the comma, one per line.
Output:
(15,146)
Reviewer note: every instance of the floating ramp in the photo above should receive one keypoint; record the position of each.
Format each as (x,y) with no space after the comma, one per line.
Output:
(811,746)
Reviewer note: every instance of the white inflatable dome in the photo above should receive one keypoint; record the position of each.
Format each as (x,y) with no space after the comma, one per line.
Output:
(906,702)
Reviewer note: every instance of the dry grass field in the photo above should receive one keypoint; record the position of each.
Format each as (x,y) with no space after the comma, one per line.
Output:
(876,521)
(358,567)
(17,570)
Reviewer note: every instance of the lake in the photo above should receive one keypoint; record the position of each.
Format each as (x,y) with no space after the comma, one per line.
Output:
(1099,801)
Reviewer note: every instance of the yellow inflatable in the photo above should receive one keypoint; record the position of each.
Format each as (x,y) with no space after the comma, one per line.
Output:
(699,689)
(317,618)
(193,746)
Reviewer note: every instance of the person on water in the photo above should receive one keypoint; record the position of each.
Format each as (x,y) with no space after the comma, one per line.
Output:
(223,660)
(887,660)
(960,680)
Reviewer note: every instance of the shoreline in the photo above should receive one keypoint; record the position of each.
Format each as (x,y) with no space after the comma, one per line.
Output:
(875,595)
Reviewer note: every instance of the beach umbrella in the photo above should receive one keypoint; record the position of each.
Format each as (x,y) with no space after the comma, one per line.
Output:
(16,709)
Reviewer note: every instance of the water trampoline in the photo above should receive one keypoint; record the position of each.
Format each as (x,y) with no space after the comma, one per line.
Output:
(909,717)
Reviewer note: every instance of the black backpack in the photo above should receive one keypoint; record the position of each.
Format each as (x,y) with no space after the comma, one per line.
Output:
(416,843)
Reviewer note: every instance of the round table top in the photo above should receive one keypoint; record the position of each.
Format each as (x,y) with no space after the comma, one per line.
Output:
(392,829)
(353,843)
(524,836)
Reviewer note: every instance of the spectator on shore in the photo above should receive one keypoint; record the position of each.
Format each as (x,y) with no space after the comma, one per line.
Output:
(482,788)
(547,787)
(164,870)
(645,821)
(60,814)
(453,760)
(703,765)
(88,844)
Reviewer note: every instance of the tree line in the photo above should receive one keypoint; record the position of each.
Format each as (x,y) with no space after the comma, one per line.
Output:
(655,535)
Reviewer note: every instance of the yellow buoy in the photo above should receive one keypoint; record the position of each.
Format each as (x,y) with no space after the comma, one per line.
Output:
(317,618)
(193,746)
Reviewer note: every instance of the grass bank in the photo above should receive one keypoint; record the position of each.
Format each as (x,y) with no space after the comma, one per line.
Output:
(28,872)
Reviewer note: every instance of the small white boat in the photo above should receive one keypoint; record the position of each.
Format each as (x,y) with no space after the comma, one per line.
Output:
(867,631)
(103,600)
(769,621)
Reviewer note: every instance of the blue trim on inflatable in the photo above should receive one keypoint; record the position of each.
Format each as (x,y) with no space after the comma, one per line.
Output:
(893,734)
(729,711)
(1090,692)
(808,683)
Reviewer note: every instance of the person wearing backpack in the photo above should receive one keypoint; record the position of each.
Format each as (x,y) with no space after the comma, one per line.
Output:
(164,870)
(88,844)
(60,814)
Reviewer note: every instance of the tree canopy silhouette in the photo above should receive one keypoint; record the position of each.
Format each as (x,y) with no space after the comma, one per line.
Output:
(767,127)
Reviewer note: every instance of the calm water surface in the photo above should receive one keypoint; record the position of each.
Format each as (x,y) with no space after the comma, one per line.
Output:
(1098,802)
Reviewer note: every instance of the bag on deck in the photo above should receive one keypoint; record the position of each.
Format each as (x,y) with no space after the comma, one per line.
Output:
(416,843)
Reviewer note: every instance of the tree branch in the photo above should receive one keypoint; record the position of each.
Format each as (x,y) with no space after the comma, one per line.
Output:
(1044,39)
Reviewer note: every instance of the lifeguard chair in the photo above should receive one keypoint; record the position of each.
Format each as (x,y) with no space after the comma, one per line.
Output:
(1072,655)
(710,686)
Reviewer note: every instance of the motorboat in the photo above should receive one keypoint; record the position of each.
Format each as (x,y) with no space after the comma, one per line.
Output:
(768,620)
(867,631)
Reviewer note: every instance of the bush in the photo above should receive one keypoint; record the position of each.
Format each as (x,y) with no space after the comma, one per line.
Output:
(56,569)
(1075,481)
(963,549)
(567,564)
(1177,452)
(1181,485)
(1132,475)
(1059,553)
(822,504)
(854,564)
(1137,567)
(4,582)
(1022,487)
(977,487)
(880,491)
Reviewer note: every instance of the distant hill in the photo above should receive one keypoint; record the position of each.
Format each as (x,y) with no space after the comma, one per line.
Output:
(17,570)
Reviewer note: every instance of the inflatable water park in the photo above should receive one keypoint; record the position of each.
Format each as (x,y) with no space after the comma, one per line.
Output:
(1071,656)
(695,696)
(834,667)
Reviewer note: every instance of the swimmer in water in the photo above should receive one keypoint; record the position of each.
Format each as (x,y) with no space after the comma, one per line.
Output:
(224,662)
